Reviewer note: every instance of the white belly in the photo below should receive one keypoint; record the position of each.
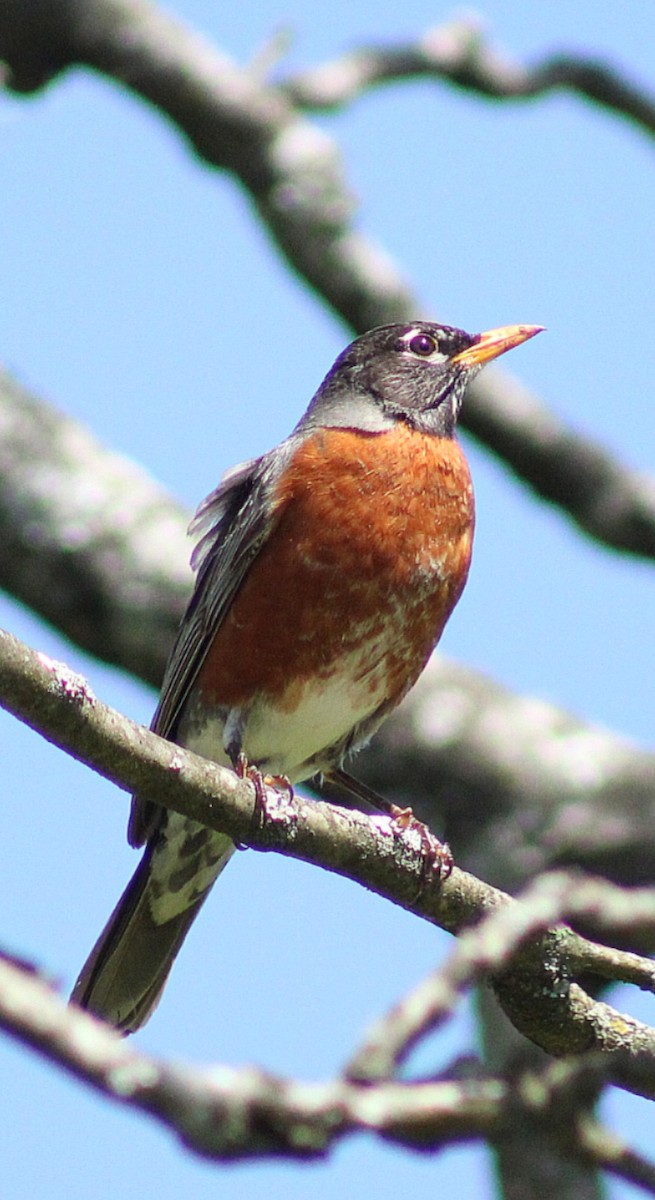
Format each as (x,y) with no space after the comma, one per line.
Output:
(289,739)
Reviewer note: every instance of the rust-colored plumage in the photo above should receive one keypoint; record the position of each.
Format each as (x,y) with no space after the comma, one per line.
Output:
(327,570)
(373,532)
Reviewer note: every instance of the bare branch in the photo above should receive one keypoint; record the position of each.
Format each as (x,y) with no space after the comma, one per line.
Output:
(469,755)
(458,52)
(115,578)
(293,172)
(607,1152)
(376,851)
(87,539)
(527,1161)
(60,705)
(608,501)
(489,950)
(548,1108)
(225,1114)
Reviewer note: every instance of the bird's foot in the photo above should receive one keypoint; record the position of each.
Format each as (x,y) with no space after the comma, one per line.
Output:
(260,782)
(244,770)
(436,856)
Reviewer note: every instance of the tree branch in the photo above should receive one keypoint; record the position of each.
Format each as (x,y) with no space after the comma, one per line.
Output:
(115,578)
(459,52)
(549,1110)
(225,1114)
(489,949)
(293,173)
(607,1152)
(87,538)
(379,852)
(508,778)
(527,1161)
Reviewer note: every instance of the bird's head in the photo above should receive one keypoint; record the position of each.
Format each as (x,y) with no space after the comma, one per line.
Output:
(415,373)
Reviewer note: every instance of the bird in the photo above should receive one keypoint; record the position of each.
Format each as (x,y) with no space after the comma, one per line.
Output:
(326,570)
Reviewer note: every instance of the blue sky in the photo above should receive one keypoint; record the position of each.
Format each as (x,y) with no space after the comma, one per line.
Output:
(140,296)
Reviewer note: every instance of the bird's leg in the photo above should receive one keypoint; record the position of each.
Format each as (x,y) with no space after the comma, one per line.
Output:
(233,735)
(360,791)
(437,856)
(244,770)
(280,783)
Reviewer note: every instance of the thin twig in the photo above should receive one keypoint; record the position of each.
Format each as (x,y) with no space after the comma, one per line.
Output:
(489,949)
(608,1152)
(459,52)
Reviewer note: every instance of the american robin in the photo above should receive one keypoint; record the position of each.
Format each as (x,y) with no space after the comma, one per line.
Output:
(326,572)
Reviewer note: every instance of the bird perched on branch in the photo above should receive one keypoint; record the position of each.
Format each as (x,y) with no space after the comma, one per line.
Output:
(326,572)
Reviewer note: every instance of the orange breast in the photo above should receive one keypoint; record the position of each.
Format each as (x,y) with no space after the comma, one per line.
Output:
(371,548)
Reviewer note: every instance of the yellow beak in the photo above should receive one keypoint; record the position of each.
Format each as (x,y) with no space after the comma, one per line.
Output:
(494,342)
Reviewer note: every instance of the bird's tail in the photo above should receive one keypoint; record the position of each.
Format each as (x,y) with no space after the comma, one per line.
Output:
(125,973)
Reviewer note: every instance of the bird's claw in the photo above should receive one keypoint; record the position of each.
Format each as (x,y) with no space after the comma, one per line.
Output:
(280,783)
(437,858)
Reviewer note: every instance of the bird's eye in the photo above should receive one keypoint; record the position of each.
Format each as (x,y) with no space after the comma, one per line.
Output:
(423,344)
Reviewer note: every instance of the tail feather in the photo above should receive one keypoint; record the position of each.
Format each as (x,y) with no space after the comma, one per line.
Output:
(125,973)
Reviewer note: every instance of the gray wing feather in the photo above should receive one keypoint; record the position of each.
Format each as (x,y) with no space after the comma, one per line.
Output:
(232,521)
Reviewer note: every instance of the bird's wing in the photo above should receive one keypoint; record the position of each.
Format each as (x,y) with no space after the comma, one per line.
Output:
(233,522)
